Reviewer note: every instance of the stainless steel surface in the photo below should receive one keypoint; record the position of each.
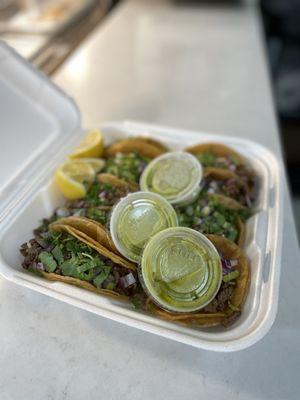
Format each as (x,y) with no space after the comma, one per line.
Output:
(43,16)
(48,49)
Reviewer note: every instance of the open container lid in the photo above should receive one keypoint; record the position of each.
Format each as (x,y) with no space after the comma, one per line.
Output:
(37,122)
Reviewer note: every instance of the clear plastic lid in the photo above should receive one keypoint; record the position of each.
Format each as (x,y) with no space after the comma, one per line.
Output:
(176,176)
(181,270)
(136,218)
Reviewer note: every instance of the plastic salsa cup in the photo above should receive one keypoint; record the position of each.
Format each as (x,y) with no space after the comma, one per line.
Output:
(136,218)
(180,270)
(176,176)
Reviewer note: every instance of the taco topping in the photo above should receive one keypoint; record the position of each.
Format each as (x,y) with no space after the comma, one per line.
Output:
(208,215)
(234,188)
(127,166)
(231,162)
(62,254)
(222,299)
(208,159)
(220,302)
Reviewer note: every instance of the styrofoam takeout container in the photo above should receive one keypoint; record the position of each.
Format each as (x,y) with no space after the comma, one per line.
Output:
(39,125)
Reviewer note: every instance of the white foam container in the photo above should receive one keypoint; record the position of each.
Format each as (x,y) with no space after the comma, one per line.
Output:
(39,125)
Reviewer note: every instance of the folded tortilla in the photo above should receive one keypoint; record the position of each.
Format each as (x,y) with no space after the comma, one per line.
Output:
(145,148)
(117,182)
(94,235)
(217,149)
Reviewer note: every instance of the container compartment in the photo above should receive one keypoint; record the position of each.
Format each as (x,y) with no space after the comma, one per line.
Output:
(263,246)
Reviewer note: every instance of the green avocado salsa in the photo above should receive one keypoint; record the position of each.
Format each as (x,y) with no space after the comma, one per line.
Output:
(127,166)
(138,217)
(208,215)
(181,270)
(176,176)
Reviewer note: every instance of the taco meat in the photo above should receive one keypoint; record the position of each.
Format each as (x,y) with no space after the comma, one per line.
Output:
(232,187)
(219,156)
(62,254)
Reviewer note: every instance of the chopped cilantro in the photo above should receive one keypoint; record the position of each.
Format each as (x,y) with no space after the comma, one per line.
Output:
(102,276)
(57,254)
(111,285)
(207,159)
(127,166)
(92,196)
(34,271)
(136,302)
(97,215)
(208,215)
(48,261)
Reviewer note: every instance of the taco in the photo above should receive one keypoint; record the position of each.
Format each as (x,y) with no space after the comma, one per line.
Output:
(153,142)
(215,155)
(127,158)
(215,214)
(226,307)
(99,244)
(68,255)
(93,229)
(226,183)
(144,146)
(123,186)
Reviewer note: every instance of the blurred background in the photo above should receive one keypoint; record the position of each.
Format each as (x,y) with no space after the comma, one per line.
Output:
(281,20)
(46,32)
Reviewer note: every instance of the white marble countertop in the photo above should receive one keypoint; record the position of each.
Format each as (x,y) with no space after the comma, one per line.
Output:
(194,66)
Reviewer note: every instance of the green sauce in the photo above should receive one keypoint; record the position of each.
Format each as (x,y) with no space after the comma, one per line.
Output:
(170,178)
(181,270)
(175,176)
(137,218)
